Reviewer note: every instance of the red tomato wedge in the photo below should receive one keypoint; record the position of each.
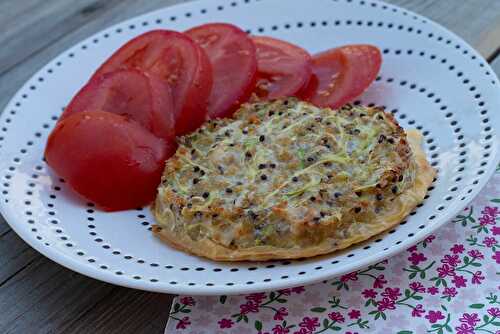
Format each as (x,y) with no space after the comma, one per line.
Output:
(310,88)
(130,93)
(108,159)
(176,59)
(283,69)
(342,74)
(232,55)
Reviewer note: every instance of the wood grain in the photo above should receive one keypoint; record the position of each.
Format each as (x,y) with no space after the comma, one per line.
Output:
(16,255)
(40,296)
(52,299)
(496,65)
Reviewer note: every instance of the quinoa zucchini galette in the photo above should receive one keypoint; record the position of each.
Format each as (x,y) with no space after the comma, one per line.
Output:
(286,179)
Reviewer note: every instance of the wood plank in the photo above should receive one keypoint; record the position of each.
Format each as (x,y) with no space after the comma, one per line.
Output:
(44,293)
(149,310)
(16,255)
(23,41)
(52,299)
(4,227)
(496,65)
(490,41)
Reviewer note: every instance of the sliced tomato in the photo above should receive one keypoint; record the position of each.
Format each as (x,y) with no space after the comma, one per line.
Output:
(176,59)
(310,88)
(232,55)
(108,159)
(131,93)
(283,69)
(342,74)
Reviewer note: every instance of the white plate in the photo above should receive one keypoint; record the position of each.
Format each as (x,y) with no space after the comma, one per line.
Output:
(430,79)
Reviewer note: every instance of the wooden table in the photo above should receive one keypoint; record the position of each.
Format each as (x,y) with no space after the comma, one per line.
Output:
(40,296)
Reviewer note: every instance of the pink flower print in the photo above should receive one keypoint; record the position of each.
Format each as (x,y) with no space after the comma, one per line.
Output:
(470,319)
(452,260)
(477,277)
(418,311)
(351,332)
(474,253)
(278,329)
(302,331)
(225,323)
(489,241)
(380,281)
(495,230)
(392,294)
(459,281)
(285,292)
(486,220)
(354,314)
(349,277)
(457,249)
(280,314)
(445,270)
(496,257)
(336,316)
(490,211)
(417,287)
(187,301)
(385,304)
(298,289)
(450,292)
(249,307)
(183,323)
(434,316)
(430,238)
(369,293)
(412,249)
(494,312)
(416,258)
(257,298)
(464,329)
(309,323)
(432,290)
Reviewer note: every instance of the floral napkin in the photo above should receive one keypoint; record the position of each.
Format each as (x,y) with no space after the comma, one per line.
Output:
(448,283)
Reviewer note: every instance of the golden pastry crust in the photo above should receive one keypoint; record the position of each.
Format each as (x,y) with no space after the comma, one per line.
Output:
(280,226)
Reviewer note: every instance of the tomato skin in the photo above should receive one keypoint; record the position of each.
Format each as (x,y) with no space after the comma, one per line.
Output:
(131,93)
(308,90)
(343,74)
(178,61)
(283,69)
(108,159)
(234,65)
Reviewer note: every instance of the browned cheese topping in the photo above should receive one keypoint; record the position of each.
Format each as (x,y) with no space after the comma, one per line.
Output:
(285,173)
